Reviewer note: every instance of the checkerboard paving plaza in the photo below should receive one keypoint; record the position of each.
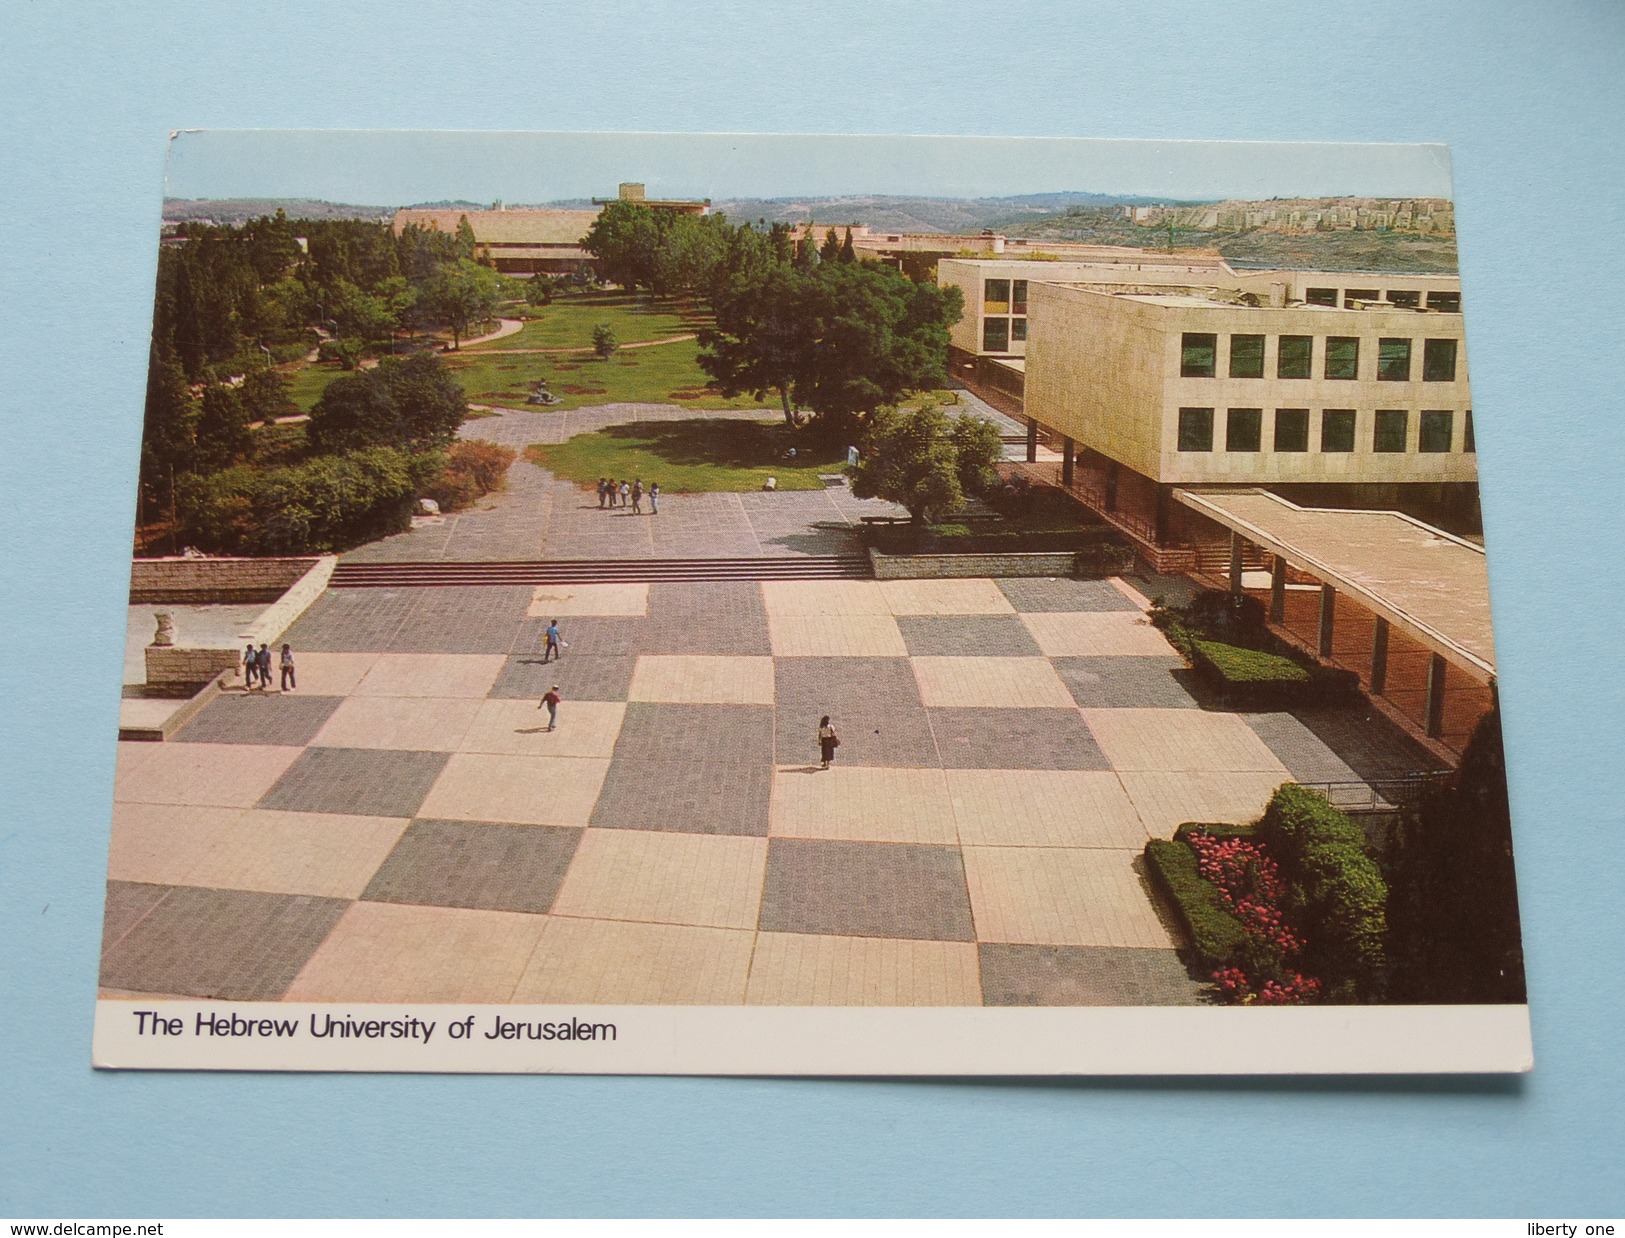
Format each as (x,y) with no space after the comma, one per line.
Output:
(858,889)
(1162,682)
(1166,800)
(249,849)
(716,617)
(1180,740)
(702,680)
(1038,595)
(1016,975)
(1061,897)
(665,878)
(1024,683)
(431,674)
(385,952)
(477,786)
(352,620)
(476,865)
(330,674)
(614,962)
(613,636)
(835,636)
(972,596)
(683,733)
(863,804)
(366,781)
(255,718)
(823,598)
(967,636)
(526,677)
(1014,739)
(561,601)
(803,969)
(714,797)
(1119,633)
(519,728)
(478,619)
(873,703)
(404,723)
(1043,808)
(218,775)
(237,945)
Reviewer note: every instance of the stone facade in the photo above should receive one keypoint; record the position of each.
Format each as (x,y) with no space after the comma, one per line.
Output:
(202,580)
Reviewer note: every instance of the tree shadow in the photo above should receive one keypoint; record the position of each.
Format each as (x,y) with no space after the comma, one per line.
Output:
(699,441)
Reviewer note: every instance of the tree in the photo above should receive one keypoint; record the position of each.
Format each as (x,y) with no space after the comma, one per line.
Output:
(627,239)
(429,402)
(760,341)
(830,250)
(464,293)
(168,433)
(977,447)
(355,411)
(223,434)
(465,237)
(604,342)
(539,289)
(694,251)
(848,254)
(266,396)
(910,459)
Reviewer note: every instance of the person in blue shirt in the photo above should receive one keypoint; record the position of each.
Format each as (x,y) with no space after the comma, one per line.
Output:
(555,642)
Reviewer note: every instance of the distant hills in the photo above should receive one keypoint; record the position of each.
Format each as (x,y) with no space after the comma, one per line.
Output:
(906,214)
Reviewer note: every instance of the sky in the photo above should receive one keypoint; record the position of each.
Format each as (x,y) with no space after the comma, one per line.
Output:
(396,168)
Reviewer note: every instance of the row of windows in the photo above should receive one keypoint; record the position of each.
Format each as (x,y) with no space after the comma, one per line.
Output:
(1295,357)
(1244,430)
(998,332)
(1002,296)
(1448,302)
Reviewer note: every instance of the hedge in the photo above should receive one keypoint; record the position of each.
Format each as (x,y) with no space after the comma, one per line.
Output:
(1216,935)
(1337,891)
(1234,665)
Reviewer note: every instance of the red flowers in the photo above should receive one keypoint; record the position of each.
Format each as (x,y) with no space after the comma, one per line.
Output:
(1249,882)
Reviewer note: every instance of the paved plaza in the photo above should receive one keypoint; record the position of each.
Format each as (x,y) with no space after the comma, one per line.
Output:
(403,828)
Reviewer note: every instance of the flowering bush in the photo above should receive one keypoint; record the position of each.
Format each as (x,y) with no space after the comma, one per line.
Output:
(1250,885)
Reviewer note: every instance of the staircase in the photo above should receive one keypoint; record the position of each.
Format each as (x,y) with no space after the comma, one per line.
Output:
(598,571)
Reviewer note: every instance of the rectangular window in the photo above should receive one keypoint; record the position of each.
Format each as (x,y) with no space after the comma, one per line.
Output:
(1296,357)
(1244,429)
(995,334)
(1337,429)
(1342,356)
(1439,361)
(1468,443)
(1434,432)
(1394,361)
(1196,429)
(1246,356)
(1446,302)
(1351,295)
(1196,352)
(1018,297)
(1404,300)
(1292,429)
(996,292)
(1390,431)
(1321,296)
(1018,328)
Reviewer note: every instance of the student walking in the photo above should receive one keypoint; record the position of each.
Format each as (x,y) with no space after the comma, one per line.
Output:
(251,667)
(654,498)
(828,742)
(287,669)
(637,496)
(551,702)
(626,493)
(555,642)
(263,659)
(603,491)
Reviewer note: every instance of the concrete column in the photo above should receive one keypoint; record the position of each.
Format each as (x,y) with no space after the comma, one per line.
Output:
(1235,562)
(1068,447)
(1328,612)
(1379,658)
(1435,714)
(1032,441)
(1278,590)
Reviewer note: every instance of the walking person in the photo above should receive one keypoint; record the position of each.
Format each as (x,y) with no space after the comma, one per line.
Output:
(603,491)
(654,498)
(626,493)
(828,742)
(251,667)
(555,642)
(263,659)
(637,496)
(551,701)
(288,680)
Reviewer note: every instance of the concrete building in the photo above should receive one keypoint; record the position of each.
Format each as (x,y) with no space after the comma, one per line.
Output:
(634,191)
(516,241)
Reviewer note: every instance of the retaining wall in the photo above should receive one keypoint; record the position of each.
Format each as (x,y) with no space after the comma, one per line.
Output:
(202,580)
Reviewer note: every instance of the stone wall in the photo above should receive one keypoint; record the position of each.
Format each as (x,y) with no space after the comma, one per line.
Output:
(915,567)
(203,580)
(174,671)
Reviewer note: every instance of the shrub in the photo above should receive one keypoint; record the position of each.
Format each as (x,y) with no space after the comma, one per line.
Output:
(344,351)
(473,468)
(1216,935)
(1231,664)
(604,342)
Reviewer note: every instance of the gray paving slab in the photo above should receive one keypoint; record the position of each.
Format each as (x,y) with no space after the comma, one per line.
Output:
(352,620)
(855,889)
(1044,594)
(580,677)
(967,636)
(716,617)
(127,902)
(712,797)
(694,734)
(584,637)
(238,945)
(873,703)
(1131,683)
(374,782)
(1021,975)
(476,865)
(1014,739)
(288,719)
(470,619)
(1347,744)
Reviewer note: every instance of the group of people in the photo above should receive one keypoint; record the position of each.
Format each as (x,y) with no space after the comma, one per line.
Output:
(257,667)
(612,493)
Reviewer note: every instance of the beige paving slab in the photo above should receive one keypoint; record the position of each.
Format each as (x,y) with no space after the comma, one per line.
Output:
(619,963)
(331,674)
(222,775)
(702,679)
(478,786)
(1172,740)
(519,728)
(809,598)
(161,843)
(431,674)
(563,601)
(388,952)
(1112,633)
(974,596)
(802,969)
(835,636)
(1061,897)
(862,803)
(405,723)
(1043,808)
(700,879)
(1006,683)
(333,855)
(1130,592)
(1166,801)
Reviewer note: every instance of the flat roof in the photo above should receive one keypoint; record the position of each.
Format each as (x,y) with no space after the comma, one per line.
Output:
(1018,364)
(1430,584)
(518,226)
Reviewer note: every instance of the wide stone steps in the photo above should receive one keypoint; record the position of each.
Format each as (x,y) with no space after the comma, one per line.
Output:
(598,571)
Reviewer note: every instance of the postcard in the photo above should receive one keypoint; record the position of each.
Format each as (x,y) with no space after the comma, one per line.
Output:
(745,604)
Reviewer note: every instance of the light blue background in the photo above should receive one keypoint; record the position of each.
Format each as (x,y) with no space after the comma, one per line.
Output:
(1529,99)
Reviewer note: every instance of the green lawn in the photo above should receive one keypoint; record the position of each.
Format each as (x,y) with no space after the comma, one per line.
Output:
(569,321)
(693,456)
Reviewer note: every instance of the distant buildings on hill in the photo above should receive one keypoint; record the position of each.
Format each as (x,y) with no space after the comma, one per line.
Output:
(1427,216)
